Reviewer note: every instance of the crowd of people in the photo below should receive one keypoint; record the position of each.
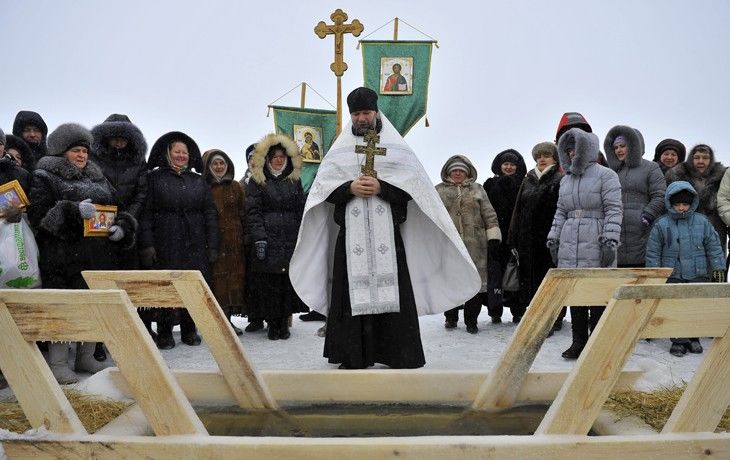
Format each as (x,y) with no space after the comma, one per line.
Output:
(353,250)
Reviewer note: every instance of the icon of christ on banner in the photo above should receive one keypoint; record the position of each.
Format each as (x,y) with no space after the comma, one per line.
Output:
(396,75)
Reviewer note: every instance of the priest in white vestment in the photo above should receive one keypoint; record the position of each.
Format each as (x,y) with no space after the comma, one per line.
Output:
(374,253)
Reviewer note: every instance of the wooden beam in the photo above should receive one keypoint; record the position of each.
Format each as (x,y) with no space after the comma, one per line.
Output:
(706,398)
(33,384)
(581,397)
(384,385)
(638,447)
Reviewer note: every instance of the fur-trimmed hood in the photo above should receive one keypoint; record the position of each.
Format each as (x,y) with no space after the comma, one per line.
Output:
(586,148)
(158,153)
(26,154)
(208,159)
(26,117)
(259,172)
(634,142)
(117,125)
(499,159)
(471,176)
(64,168)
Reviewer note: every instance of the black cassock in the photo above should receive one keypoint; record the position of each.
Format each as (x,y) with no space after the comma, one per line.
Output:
(393,339)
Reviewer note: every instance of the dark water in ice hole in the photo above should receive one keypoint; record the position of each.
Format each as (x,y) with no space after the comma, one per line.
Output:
(370,420)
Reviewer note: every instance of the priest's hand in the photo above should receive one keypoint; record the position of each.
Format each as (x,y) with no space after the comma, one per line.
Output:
(365,187)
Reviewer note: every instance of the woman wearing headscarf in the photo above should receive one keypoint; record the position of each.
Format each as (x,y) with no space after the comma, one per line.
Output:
(509,169)
(274,207)
(669,153)
(475,220)
(705,175)
(531,221)
(229,271)
(179,224)
(66,186)
(642,192)
(587,226)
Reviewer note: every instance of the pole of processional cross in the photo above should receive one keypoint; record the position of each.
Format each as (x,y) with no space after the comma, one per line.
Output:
(338,29)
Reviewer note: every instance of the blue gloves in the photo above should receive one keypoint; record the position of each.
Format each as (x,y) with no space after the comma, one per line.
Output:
(87,209)
(260,247)
(116,233)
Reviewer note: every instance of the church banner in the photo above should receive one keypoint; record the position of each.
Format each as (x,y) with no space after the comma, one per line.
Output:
(313,130)
(398,71)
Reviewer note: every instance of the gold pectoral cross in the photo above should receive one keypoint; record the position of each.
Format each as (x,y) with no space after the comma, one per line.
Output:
(370,150)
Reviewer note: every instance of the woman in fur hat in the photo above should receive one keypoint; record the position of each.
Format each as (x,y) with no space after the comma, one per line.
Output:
(179,224)
(274,207)
(704,174)
(509,169)
(229,271)
(66,186)
(669,153)
(475,220)
(533,215)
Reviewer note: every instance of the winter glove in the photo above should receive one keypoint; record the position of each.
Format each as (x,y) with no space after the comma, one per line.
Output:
(718,276)
(608,252)
(553,246)
(12,214)
(116,233)
(212,255)
(87,209)
(148,257)
(646,219)
(260,249)
(492,249)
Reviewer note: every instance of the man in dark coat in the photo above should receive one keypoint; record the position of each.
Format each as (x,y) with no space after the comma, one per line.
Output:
(509,170)
(30,127)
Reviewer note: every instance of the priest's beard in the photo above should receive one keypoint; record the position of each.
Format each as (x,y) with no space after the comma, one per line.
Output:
(362,129)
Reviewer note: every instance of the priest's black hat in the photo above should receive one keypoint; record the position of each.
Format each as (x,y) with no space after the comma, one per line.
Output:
(362,99)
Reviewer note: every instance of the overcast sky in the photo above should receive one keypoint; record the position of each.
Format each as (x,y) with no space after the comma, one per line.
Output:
(502,77)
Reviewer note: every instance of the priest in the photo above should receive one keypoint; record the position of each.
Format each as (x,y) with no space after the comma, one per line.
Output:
(376,247)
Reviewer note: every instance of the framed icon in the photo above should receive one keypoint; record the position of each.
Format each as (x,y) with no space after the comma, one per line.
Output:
(396,75)
(309,140)
(101,222)
(12,195)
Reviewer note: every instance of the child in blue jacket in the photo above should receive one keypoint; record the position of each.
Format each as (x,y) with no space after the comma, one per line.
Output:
(685,240)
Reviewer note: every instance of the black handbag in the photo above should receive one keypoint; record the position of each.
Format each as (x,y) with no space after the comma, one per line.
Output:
(511,275)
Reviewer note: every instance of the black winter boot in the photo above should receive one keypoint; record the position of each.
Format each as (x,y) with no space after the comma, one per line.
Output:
(579,326)
(284,329)
(188,332)
(273,332)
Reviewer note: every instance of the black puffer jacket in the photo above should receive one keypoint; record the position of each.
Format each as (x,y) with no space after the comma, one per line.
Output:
(274,206)
(9,171)
(58,187)
(125,169)
(179,218)
(26,117)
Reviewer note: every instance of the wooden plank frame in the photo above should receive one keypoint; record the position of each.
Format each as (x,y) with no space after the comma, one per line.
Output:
(30,315)
(188,289)
(560,287)
(650,311)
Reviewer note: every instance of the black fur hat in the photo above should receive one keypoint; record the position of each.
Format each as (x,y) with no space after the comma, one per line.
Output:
(66,136)
(682,196)
(158,152)
(362,98)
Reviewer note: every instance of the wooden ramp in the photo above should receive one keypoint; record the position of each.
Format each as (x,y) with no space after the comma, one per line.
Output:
(188,289)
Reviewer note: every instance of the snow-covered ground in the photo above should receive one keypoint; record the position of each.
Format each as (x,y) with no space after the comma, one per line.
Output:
(444,349)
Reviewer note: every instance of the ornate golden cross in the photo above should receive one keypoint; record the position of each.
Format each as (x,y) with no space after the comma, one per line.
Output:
(338,29)
(370,150)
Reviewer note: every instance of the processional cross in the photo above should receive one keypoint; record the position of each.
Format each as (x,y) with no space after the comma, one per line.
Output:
(338,29)
(370,150)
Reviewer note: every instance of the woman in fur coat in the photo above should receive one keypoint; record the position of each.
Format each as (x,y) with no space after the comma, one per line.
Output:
(229,271)
(179,224)
(66,186)
(475,220)
(533,215)
(705,174)
(274,207)
(509,169)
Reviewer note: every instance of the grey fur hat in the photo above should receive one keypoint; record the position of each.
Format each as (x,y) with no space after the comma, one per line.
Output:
(66,136)
(2,137)
(545,147)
